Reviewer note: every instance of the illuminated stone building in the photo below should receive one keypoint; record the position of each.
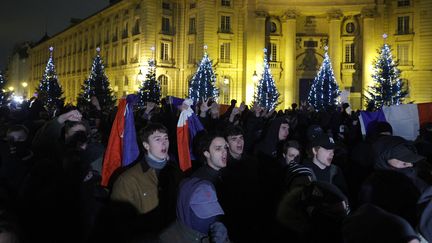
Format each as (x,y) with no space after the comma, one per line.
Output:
(236,32)
(18,69)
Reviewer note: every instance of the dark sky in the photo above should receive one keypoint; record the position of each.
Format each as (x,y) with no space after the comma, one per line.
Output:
(27,20)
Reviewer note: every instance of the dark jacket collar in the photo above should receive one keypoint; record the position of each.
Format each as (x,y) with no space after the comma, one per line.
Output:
(144,165)
(208,173)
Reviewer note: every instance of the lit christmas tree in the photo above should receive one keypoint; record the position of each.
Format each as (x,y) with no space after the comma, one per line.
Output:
(150,89)
(202,85)
(324,90)
(97,85)
(266,94)
(49,90)
(4,95)
(388,88)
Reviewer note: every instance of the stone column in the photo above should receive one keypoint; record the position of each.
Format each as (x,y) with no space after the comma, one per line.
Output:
(368,52)
(290,84)
(335,43)
(254,51)
(260,29)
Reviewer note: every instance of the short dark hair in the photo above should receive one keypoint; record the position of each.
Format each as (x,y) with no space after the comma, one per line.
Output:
(233,131)
(148,130)
(291,144)
(69,124)
(205,141)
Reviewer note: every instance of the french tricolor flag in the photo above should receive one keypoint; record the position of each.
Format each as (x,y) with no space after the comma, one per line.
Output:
(122,147)
(188,126)
(405,119)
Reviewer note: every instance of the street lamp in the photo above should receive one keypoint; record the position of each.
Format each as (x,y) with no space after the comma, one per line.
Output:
(139,80)
(140,77)
(255,77)
(11,88)
(24,84)
(226,81)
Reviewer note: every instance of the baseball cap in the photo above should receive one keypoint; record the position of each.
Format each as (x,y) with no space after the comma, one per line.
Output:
(323,140)
(204,202)
(403,153)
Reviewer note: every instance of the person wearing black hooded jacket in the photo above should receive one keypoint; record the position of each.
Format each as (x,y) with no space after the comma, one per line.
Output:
(394,185)
(271,173)
(238,188)
(270,153)
(373,225)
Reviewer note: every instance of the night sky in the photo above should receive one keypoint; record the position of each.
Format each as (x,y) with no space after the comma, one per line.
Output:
(27,20)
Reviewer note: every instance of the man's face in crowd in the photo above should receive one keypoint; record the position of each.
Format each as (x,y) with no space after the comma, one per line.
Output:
(236,144)
(291,155)
(157,145)
(323,157)
(399,164)
(283,131)
(217,154)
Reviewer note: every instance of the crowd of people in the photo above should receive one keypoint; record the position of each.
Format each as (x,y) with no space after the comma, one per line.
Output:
(292,175)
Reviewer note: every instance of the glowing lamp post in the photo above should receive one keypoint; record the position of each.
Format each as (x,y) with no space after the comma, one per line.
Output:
(226,81)
(140,78)
(24,85)
(255,77)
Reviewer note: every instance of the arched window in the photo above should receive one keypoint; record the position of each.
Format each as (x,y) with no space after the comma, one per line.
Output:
(163,81)
(350,27)
(273,27)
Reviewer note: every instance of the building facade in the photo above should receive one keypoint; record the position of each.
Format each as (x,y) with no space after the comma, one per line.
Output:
(18,69)
(294,32)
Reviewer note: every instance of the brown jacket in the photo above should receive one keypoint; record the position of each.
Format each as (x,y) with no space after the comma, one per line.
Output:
(138,186)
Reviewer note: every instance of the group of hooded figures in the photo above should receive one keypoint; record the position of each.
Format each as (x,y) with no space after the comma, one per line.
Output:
(257,176)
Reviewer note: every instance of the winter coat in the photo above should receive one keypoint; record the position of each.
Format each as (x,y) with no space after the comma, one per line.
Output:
(269,154)
(331,174)
(392,191)
(207,173)
(179,233)
(372,224)
(145,189)
(238,197)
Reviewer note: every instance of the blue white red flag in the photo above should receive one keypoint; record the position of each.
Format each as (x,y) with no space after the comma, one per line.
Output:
(188,126)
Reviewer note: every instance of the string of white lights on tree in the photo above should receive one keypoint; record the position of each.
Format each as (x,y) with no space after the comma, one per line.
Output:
(150,89)
(324,90)
(4,95)
(388,88)
(97,85)
(202,85)
(266,94)
(49,90)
